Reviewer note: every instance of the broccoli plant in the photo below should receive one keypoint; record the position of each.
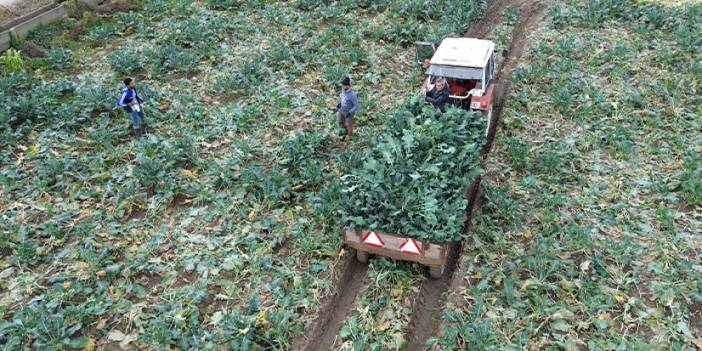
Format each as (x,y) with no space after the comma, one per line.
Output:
(414,178)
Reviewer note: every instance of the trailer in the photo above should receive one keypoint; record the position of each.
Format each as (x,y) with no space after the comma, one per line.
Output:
(397,247)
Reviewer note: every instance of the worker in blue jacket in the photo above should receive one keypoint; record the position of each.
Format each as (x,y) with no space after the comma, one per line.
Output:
(131,102)
(348,105)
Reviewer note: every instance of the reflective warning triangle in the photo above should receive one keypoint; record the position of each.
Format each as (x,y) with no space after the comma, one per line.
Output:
(373,239)
(410,246)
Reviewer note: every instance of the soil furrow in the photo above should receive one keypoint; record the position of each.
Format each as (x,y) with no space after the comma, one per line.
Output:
(336,306)
(426,312)
(530,15)
(426,316)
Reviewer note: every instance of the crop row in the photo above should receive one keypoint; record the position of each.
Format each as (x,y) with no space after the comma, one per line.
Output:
(588,235)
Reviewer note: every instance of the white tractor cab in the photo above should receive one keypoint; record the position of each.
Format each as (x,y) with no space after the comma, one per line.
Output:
(468,65)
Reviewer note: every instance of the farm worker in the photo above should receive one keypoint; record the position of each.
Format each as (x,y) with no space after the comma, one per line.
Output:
(131,102)
(348,105)
(438,95)
(426,63)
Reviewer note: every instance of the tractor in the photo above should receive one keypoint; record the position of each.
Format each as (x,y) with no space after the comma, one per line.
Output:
(468,65)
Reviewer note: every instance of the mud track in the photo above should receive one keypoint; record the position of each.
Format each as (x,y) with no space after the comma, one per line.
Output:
(426,311)
(321,333)
(426,316)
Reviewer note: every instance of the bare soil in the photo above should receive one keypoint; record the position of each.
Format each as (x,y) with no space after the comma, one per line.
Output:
(530,15)
(32,50)
(6,15)
(493,16)
(696,318)
(117,6)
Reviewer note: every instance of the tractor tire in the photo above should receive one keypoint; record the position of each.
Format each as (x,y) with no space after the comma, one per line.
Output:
(488,116)
(362,256)
(435,272)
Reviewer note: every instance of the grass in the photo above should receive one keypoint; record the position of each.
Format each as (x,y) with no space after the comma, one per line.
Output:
(587,238)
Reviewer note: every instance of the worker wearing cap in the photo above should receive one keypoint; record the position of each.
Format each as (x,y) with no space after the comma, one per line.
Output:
(348,105)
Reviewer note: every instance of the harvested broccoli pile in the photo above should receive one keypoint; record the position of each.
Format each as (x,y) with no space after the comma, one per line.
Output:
(413,180)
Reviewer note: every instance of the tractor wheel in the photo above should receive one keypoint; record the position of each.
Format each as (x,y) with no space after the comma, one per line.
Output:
(437,271)
(362,256)
(488,116)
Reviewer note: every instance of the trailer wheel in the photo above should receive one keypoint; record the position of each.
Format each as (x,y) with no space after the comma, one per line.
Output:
(437,271)
(362,256)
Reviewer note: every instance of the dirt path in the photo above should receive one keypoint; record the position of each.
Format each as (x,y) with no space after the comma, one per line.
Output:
(321,334)
(426,316)
(530,16)
(426,312)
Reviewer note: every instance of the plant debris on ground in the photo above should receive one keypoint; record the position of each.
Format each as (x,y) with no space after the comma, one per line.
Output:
(590,231)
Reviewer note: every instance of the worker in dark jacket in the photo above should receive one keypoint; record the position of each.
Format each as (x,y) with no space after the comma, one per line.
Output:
(439,95)
(348,105)
(131,102)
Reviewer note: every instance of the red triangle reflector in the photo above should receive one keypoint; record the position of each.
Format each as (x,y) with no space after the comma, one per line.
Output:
(373,239)
(410,246)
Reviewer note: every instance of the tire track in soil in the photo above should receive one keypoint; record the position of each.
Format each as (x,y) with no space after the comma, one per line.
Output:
(426,315)
(336,306)
(426,312)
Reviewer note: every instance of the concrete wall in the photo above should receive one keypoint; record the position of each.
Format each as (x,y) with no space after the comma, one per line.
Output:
(4,40)
(42,18)
(21,30)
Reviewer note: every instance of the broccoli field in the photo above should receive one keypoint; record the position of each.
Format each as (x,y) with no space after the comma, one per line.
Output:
(220,228)
(590,231)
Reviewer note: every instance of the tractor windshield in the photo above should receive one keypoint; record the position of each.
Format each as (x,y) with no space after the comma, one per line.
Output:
(424,51)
